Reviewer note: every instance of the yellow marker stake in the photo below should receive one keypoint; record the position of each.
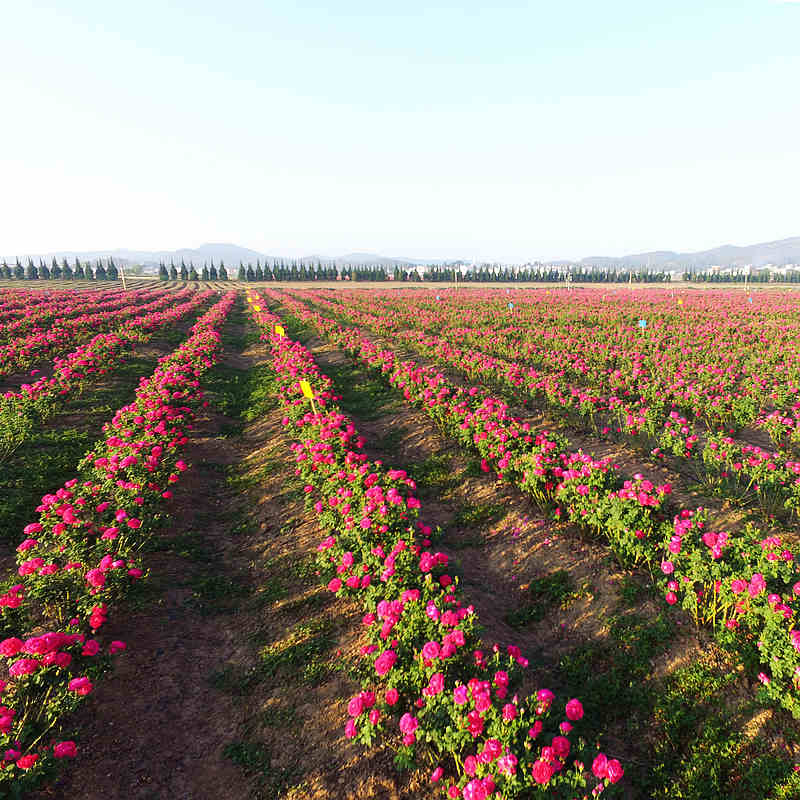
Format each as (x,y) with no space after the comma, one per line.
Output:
(305,386)
(279,331)
(256,308)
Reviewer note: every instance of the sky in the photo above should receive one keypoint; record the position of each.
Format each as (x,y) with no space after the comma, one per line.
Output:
(508,131)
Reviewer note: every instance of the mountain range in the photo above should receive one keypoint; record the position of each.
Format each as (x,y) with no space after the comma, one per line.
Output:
(778,253)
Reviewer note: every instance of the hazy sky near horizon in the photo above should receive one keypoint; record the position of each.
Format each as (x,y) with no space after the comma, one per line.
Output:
(509,131)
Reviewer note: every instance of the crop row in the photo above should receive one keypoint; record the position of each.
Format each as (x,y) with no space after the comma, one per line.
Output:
(742,470)
(424,676)
(712,358)
(22,351)
(20,411)
(80,557)
(741,582)
(42,310)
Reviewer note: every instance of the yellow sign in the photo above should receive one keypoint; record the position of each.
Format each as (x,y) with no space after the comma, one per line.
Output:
(306,388)
(680,302)
(279,331)
(256,308)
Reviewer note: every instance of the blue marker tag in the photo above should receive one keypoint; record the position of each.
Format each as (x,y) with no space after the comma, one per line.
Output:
(437,297)
(510,306)
(642,323)
(749,299)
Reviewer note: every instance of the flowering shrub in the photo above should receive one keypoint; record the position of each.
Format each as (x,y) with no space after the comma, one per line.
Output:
(81,556)
(424,675)
(24,349)
(20,411)
(633,515)
(661,406)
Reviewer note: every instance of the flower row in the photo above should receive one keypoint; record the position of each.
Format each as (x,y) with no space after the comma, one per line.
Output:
(425,677)
(746,471)
(704,570)
(81,555)
(22,351)
(34,402)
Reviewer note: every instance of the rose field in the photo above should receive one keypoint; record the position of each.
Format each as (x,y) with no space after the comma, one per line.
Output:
(280,540)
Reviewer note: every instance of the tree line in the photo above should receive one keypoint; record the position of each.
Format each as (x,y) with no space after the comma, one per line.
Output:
(300,271)
(759,276)
(60,272)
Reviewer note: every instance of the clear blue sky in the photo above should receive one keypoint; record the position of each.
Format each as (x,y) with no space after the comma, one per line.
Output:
(514,131)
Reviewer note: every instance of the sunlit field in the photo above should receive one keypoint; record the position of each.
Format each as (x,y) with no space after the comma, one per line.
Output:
(399,541)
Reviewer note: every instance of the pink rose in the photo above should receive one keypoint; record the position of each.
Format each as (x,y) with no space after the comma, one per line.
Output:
(65,750)
(408,724)
(561,746)
(541,771)
(96,578)
(10,647)
(355,706)
(82,686)
(614,771)
(385,661)
(574,709)
(430,651)
(25,666)
(599,766)
(460,695)
(475,790)
(26,762)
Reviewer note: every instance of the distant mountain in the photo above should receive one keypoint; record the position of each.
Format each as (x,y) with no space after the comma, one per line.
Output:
(231,254)
(779,253)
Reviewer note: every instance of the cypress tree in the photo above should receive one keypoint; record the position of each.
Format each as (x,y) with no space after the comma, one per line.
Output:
(163,275)
(31,273)
(184,273)
(212,273)
(113,274)
(173,272)
(223,273)
(250,274)
(100,273)
(242,275)
(204,275)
